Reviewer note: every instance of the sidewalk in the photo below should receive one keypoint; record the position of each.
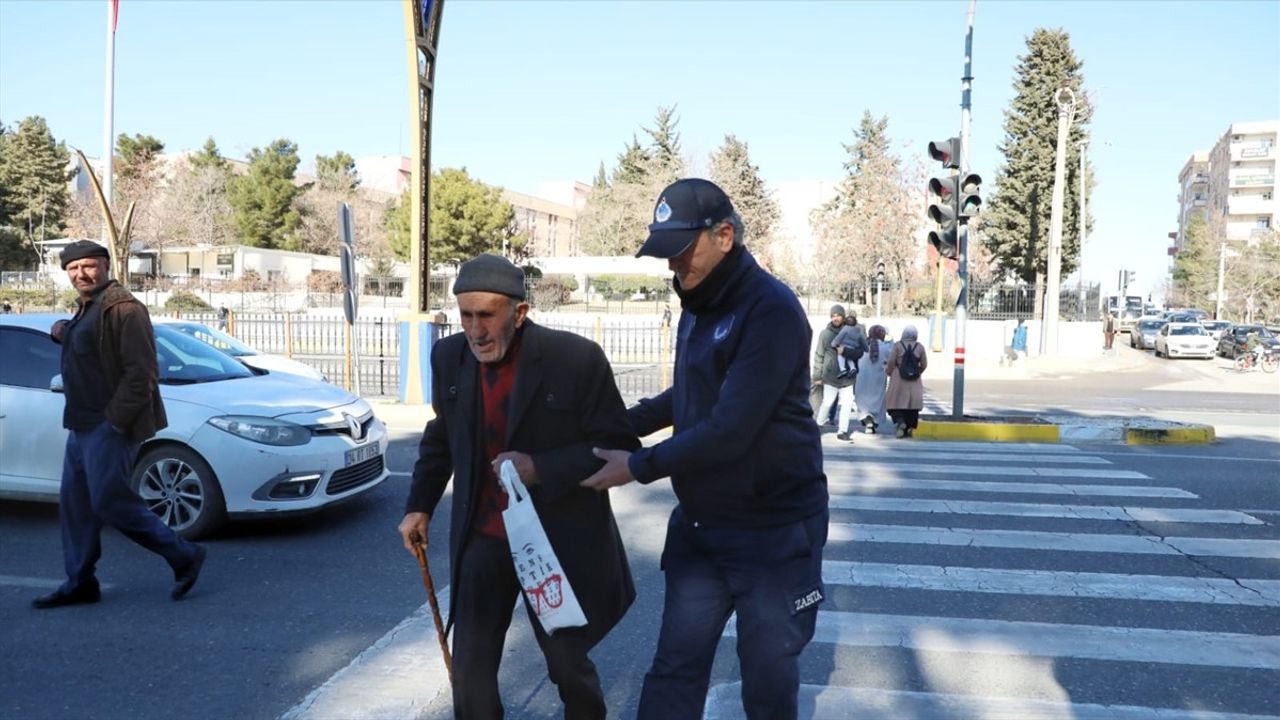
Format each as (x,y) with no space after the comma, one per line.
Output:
(400,417)
(986,368)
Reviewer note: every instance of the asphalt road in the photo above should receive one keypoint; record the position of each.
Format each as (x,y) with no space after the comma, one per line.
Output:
(963,581)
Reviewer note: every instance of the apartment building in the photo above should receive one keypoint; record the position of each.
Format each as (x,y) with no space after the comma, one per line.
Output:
(1193,193)
(1242,180)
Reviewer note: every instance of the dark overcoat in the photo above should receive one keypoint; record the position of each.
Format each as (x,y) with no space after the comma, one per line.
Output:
(564,403)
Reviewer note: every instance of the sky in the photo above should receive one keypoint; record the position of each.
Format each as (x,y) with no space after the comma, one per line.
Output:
(532,93)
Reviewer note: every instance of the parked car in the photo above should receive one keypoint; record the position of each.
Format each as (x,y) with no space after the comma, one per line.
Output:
(1184,340)
(252,357)
(1215,328)
(1143,335)
(238,444)
(1128,319)
(1233,341)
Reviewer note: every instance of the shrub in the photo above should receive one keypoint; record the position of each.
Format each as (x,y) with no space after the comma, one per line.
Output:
(181,300)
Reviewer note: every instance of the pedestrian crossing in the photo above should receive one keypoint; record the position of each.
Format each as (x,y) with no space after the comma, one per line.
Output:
(1031,581)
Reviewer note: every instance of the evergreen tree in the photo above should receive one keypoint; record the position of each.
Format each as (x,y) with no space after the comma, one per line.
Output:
(262,199)
(33,191)
(209,157)
(601,180)
(872,219)
(633,164)
(136,156)
(1016,219)
(139,177)
(468,218)
(1195,267)
(732,170)
(665,163)
(396,222)
(337,173)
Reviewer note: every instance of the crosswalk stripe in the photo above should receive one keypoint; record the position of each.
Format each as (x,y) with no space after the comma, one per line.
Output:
(1159,588)
(883,483)
(1043,510)
(928,634)
(724,702)
(860,454)
(848,469)
(1055,541)
(914,446)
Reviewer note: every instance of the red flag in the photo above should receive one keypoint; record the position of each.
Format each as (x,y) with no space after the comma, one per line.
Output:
(115,11)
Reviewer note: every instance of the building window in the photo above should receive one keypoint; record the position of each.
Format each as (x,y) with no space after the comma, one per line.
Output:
(1263,223)
(1266,195)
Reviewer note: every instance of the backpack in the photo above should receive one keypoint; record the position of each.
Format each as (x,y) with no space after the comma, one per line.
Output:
(909,363)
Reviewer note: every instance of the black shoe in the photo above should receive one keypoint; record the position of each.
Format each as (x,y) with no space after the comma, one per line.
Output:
(83,595)
(186,577)
(843,436)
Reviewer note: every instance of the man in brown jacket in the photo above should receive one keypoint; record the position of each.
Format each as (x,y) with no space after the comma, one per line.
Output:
(111,382)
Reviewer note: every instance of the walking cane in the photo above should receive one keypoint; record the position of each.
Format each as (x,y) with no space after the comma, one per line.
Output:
(418,549)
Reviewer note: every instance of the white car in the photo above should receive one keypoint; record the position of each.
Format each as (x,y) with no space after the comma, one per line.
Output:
(252,357)
(238,444)
(1185,340)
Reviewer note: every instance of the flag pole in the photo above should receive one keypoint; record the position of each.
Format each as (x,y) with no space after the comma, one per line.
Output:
(108,111)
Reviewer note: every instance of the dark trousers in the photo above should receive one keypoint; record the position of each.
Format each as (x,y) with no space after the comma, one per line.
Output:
(95,492)
(908,419)
(486,595)
(772,578)
(1108,338)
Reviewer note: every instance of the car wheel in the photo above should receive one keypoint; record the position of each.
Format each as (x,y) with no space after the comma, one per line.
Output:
(179,487)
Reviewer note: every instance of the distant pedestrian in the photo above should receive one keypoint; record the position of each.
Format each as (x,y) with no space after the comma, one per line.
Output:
(905,399)
(850,343)
(666,316)
(869,387)
(111,383)
(1019,342)
(223,314)
(836,387)
(5,308)
(1109,327)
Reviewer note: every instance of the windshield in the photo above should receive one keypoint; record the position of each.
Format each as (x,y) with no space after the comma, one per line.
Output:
(1150,324)
(185,360)
(1187,330)
(1248,329)
(214,338)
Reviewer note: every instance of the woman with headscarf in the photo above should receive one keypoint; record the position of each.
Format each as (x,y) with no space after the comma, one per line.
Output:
(868,389)
(905,399)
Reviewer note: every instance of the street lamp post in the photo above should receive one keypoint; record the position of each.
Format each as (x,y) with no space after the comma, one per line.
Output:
(1066,100)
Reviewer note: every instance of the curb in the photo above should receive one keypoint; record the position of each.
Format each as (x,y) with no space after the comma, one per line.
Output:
(1190,435)
(1063,433)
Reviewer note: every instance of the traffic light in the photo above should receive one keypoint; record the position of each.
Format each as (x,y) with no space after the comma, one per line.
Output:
(946,152)
(968,203)
(945,239)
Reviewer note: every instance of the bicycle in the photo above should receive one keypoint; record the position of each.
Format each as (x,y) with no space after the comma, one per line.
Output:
(1248,361)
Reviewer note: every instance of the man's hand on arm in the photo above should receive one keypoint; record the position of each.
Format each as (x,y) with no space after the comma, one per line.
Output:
(413,530)
(524,466)
(615,472)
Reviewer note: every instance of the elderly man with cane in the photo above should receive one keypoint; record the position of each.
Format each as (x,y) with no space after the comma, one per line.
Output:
(509,389)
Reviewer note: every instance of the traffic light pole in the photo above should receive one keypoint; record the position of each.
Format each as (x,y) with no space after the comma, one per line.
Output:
(962,261)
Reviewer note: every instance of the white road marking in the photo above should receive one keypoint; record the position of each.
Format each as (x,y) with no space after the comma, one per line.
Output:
(911,448)
(392,679)
(1158,588)
(929,634)
(882,483)
(1055,541)
(1043,510)
(724,702)
(861,455)
(38,582)
(848,469)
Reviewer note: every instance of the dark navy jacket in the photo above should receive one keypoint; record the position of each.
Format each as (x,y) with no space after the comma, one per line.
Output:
(745,450)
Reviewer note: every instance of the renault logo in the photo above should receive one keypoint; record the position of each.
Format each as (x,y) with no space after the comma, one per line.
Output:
(357,430)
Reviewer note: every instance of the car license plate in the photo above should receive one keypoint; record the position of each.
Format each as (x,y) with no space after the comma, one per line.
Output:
(360,454)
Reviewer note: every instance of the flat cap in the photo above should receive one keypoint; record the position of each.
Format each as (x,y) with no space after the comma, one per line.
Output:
(80,250)
(490,273)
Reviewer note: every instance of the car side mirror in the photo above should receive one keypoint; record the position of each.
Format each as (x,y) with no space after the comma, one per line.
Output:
(55,383)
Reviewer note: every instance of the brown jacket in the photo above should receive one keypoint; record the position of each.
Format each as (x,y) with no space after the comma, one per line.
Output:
(127,348)
(905,394)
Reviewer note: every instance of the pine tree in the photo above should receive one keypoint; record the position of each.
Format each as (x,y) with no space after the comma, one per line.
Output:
(732,170)
(262,199)
(601,179)
(209,157)
(665,163)
(467,218)
(872,218)
(33,174)
(1016,219)
(633,164)
(337,173)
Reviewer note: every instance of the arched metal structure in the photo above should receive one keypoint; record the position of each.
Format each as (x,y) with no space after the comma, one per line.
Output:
(422,34)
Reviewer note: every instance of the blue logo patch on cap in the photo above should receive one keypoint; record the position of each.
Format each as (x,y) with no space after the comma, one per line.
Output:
(663,211)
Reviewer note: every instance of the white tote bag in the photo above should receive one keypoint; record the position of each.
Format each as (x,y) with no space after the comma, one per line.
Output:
(537,568)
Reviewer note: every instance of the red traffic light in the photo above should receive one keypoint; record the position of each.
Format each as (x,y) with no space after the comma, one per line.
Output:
(946,152)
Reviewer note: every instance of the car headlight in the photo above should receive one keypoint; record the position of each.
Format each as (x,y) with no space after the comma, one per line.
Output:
(267,431)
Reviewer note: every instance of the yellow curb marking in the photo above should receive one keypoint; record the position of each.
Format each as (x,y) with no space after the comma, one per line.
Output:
(993,432)
(1196,435)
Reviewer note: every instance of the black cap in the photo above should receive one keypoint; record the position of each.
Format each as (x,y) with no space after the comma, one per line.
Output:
(490,273)
(837,310)
(80,250)
(684,209)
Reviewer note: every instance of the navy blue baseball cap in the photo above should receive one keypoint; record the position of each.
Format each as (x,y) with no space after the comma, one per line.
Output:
(684,209)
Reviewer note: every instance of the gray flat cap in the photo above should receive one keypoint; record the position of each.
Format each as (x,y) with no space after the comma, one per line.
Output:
(80,250)
(490,273)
